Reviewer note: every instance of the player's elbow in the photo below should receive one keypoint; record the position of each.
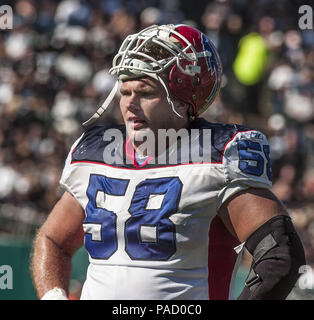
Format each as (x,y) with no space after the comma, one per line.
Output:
(280,270)
(277,256)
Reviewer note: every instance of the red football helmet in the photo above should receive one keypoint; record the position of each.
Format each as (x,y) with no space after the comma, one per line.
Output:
(193,61)
(201,88)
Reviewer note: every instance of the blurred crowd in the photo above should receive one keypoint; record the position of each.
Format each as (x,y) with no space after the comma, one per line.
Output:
(54,73)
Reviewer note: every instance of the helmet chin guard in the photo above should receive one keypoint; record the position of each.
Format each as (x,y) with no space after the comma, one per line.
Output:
(191,60)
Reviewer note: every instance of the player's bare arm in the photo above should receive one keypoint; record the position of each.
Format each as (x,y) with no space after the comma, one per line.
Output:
(56,242)
(258,218)
(248,210)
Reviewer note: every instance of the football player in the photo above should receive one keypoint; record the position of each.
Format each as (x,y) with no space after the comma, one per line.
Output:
(158,222)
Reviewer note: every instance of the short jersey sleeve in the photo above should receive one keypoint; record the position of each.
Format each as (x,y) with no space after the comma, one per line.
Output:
(246,164)
(67,169)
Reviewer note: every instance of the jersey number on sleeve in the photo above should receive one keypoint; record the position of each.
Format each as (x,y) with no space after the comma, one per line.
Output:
(100,224)
(247,153)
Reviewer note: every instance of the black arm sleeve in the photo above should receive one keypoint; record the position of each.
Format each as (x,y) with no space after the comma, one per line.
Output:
(277,255)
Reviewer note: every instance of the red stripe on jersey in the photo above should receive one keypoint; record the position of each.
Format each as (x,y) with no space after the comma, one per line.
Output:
(130,153)
(221,260)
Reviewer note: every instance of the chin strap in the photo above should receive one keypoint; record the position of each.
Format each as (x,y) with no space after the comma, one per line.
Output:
(103,107)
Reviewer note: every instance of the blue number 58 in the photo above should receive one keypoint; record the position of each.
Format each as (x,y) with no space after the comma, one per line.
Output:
(247,155)
(100,224)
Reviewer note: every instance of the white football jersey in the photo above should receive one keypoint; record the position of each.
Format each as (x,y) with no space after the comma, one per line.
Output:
(151,231)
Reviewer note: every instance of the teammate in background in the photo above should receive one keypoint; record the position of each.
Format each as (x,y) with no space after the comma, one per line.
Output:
(156,228)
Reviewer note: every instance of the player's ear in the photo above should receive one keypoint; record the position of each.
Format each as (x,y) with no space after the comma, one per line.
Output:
(182,107)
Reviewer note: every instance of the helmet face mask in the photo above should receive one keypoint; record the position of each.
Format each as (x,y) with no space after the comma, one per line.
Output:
(145,44)
(180,57)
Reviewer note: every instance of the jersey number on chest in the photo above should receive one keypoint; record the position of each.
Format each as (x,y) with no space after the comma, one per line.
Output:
(149,233)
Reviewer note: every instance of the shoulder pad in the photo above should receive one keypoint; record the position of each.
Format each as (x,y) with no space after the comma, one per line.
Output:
(92,144)
(221,134)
